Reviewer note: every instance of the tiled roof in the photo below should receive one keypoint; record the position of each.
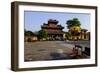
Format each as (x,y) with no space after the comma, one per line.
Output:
(46,26)
(52,21)
(55,32)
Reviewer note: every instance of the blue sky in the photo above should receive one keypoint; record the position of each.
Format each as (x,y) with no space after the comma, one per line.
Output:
(34,19)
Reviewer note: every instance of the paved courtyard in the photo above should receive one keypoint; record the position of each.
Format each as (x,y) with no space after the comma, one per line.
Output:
(42,50)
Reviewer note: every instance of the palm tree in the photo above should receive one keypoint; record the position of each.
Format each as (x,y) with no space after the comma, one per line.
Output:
(74,27)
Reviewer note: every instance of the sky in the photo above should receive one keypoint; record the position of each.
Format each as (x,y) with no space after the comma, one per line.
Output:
(34,19)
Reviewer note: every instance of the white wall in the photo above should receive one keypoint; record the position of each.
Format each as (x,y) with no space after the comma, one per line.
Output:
(5,28)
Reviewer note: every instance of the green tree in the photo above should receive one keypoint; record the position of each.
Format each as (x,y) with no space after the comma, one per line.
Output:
(28,33)
(42,34)
(74,28)
(73,22)
(68,35)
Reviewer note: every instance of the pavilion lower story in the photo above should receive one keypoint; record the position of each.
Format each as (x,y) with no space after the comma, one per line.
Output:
(54,37)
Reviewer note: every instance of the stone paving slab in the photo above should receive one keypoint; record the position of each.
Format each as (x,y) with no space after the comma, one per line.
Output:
(41,50)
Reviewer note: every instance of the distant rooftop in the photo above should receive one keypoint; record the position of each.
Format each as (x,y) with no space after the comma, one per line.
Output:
(52,21)
(84,30)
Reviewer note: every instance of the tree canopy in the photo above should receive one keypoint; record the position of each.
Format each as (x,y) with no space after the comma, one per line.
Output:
(42,34)
(28,33)
(74,26)
(73,22)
